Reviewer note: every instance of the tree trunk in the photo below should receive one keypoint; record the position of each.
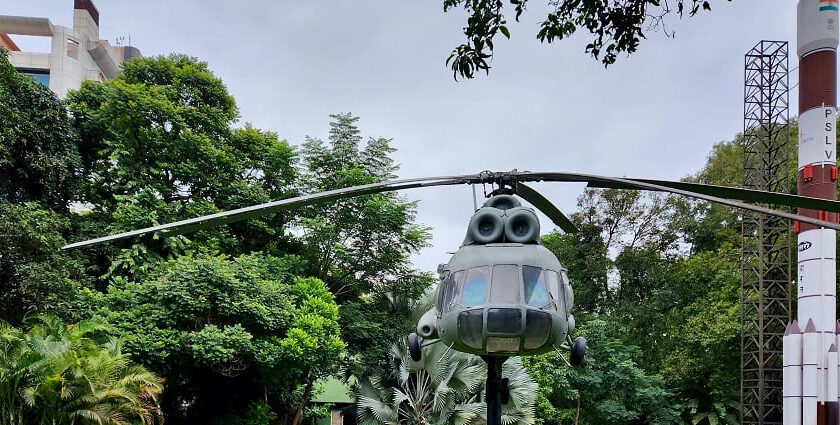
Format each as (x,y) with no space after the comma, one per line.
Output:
(298,419)
(577,412)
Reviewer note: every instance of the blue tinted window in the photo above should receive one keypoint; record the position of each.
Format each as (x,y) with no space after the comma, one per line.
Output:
(475,285)
(536,291)
(41,78)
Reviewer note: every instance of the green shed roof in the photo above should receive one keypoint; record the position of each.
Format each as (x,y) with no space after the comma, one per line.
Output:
(332,391)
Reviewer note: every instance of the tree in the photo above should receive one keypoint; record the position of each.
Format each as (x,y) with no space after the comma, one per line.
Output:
(60,374)
(616,26)
(703,356)
(444,387)
(626,266)
(157,145)
(610,387)
(225,332)
(39,157)
(39,160)
(361,247)
(35,276)
(615,225)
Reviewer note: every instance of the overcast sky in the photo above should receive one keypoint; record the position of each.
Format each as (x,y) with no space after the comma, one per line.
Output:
(290,64)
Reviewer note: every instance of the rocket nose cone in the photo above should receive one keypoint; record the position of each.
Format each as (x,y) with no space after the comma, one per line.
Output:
(810,328)
(794,327)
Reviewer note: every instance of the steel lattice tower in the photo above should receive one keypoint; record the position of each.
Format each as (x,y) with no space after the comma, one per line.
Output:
(765,249)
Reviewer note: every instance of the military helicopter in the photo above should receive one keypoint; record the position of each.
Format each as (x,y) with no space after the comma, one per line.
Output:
(503,277)
(503,294)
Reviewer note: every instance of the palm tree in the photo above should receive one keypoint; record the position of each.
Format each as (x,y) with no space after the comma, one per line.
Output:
(75,375)
(15,360)
(445,388)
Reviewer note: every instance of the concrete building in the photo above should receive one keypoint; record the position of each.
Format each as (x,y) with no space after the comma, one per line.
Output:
(76,54)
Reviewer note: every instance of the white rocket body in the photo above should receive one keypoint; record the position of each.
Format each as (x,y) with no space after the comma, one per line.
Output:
(792,375)
(819,382)
(810,386)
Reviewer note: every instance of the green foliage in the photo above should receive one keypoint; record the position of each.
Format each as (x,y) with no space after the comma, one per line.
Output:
(361,247)
(210,320)
(616,27)
(610,387)
(630,267)
(72,374)
(158,145)
(719,413)
(584,255)
(38,162)
(35,276)
(38,146)
(258,413)
(703,354)
(444,387)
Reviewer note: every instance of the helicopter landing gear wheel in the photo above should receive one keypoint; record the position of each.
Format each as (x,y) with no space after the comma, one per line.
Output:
(578,351)
(504,389)
(414,348)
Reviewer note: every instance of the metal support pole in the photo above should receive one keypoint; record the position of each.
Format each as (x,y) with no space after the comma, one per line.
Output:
(494,389)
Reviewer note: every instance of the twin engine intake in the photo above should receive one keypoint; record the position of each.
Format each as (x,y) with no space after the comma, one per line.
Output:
(503,219)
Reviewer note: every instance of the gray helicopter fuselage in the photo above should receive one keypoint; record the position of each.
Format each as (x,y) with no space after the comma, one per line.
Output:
(513,315)
(501,298)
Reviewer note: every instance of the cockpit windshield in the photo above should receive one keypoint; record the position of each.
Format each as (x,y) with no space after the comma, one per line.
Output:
(475,286)
(505,289)
(535,288)
(508,283)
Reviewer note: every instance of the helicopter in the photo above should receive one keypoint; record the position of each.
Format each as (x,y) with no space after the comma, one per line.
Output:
(503,294)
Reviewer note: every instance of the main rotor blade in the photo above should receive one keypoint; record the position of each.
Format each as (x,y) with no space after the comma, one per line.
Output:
(788,200)
(207,221)
(699,191)
(750,195)
(543,204)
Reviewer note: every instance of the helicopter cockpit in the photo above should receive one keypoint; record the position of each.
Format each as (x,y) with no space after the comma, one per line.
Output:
(540,288)
(502,293)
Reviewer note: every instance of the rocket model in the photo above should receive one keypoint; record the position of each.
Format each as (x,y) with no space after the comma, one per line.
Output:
(810,358)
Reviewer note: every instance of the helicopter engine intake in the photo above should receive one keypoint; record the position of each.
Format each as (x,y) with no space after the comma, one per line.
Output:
(487,226)
(522,226)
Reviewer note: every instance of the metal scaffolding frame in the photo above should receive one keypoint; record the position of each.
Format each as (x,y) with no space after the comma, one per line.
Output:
(765,249)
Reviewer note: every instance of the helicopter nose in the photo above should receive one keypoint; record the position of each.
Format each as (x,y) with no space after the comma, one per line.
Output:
(507,328)
(504,320)
(505,325)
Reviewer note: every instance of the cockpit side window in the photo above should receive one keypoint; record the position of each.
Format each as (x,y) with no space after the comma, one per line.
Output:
(535,289)
(454,281)
(441,294)
(475,286)
(505,289)
(555,288)
(567,290)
